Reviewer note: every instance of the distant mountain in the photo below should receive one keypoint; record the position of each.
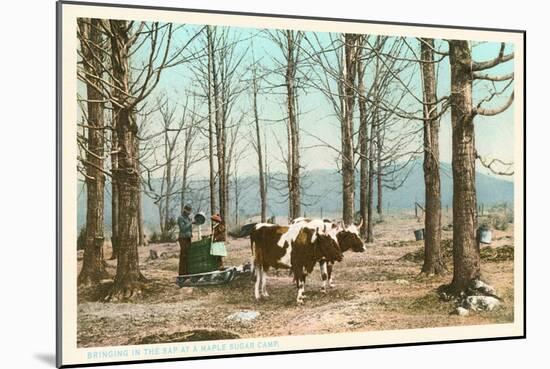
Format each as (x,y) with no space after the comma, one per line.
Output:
(322,193)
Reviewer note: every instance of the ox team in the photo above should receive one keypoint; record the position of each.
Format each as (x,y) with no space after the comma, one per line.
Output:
(298,247)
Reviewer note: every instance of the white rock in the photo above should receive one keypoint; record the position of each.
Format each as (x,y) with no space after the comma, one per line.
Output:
(402,281)
(244,316)
(460,311)
(482,303)
(483,287)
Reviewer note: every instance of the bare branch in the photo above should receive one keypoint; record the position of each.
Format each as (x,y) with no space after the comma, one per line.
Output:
(490,112)
(501,58)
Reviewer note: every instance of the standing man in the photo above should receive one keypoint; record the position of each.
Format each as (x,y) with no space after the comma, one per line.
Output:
(186,231)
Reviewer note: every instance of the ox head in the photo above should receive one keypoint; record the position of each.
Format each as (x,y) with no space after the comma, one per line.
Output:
(348,237)
(326,244)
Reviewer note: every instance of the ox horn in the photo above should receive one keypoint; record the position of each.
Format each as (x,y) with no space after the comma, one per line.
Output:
(360,223)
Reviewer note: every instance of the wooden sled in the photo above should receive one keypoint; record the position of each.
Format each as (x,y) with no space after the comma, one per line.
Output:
(208,278)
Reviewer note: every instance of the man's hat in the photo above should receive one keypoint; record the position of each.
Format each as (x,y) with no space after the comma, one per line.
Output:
(187,208)
(216,218)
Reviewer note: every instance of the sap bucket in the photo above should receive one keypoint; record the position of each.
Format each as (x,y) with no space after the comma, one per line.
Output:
(200,218)
(419,234)
(484,235)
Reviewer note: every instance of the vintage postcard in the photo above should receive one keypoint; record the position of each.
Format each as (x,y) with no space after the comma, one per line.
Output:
(239,184)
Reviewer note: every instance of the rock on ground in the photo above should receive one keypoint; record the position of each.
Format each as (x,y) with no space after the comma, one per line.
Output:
(244,316)
(481,303)
(483,287)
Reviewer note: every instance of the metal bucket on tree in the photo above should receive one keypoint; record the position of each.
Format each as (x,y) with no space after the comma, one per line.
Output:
(419,234)
(484,235)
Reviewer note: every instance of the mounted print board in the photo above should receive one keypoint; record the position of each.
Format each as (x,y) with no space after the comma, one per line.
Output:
(246,184)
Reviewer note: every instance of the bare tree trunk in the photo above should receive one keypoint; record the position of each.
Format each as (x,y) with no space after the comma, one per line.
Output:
(168,190)
(161,217)
(114,198)
(370,196)
(186,159)
(236,197)
(379,189)
(141,232)
(466,258)
(289,171)
(220,137)
(294,153)
(363,140)
(261,179)
(210,46)
(128,277)
(373,133)
(433,263)
(348,162)
(93,266)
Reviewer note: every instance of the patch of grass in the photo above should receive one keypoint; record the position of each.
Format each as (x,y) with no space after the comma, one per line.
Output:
(430,303)
(402,243)
(489,254)
(497,254)
(505,313)
(360,274)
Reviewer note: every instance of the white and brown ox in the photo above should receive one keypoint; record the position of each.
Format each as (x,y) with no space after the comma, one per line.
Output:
(267,254)
(347,238)
(298,247)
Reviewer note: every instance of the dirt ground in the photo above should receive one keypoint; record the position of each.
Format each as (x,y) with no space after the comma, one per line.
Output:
(375,290)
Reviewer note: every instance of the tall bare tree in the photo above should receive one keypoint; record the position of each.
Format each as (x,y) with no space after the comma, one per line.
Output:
(347,127)
(292,57)
(374,126)
(258,146)
(219,124)
(140,221)
(466,257)
(128,276)
(433,262)
(114,197)
(124,91)
(211,115)
(363,135)
(226,59)
(93,266)
(287,65)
